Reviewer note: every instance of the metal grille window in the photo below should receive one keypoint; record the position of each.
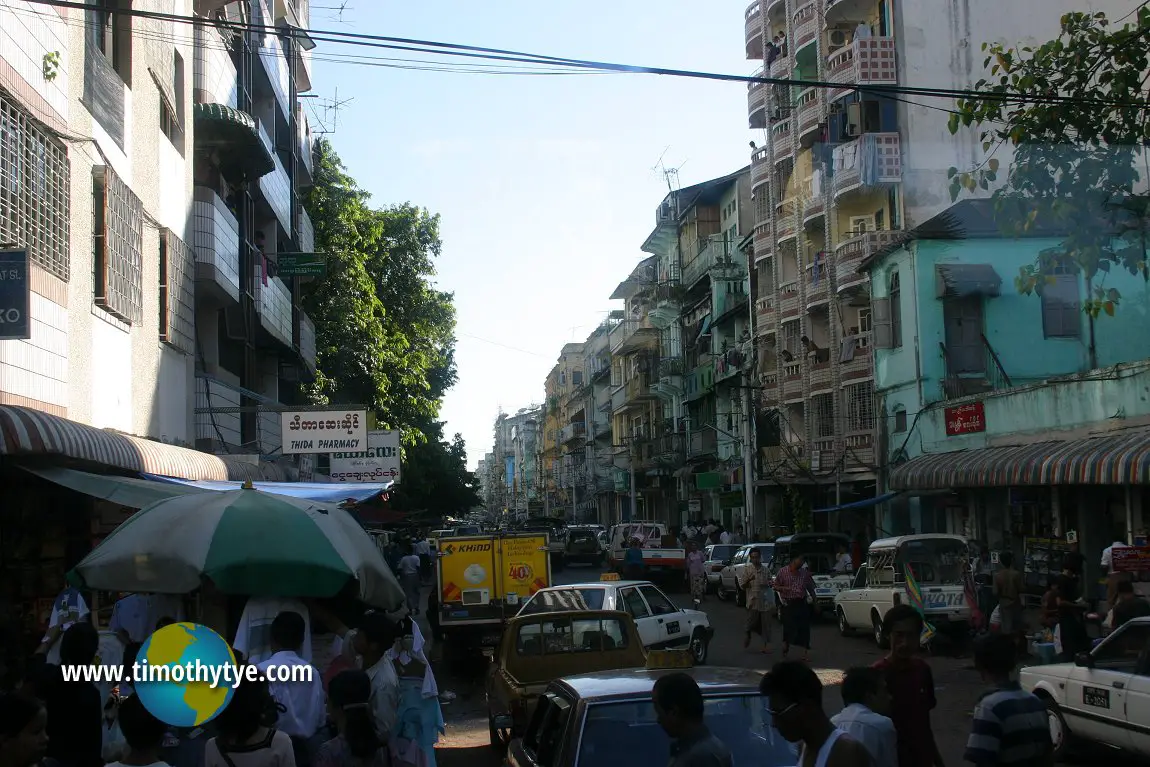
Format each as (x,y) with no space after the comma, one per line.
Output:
(119,246)
(791,336)
(824,411)
(177,297)
(1061,305)
(34,183)
(860,406)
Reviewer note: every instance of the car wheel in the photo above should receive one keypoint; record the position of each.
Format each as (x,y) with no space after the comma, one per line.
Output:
(719,592)
(699,646)
(1059,731)
(740,597)
(844,627)
(876,626)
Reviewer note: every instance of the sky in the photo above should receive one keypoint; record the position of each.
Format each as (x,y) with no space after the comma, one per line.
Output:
(547,185)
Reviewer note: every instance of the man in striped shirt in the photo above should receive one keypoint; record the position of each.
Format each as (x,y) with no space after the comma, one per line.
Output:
(1010,726)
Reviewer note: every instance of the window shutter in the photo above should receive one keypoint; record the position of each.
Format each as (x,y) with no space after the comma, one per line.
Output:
(881,331)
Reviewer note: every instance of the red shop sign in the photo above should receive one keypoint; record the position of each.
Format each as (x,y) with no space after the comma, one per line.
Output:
(965,419)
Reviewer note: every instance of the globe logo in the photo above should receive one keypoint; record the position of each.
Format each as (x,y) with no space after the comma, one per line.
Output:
(174,674)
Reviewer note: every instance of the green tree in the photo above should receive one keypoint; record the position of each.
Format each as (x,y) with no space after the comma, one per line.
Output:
(435,477)
(1078,159)
(384,333)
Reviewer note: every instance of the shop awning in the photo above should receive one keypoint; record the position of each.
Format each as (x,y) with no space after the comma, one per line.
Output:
(235,138)
(125,491)
(967,280)
(1122,458)
(865,503)
(312,491)
(28,432)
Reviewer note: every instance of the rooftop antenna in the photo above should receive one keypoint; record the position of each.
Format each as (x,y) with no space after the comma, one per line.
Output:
(330,120)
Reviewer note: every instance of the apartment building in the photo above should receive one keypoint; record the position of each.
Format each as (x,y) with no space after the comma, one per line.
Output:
(598,443)
(837,174)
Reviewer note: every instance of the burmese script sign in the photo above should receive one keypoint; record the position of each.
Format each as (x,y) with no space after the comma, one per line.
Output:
(324,431)
(1130,559)
(965,419)
(379,463)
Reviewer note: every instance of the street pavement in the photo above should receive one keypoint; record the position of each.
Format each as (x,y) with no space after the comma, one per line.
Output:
(957,684)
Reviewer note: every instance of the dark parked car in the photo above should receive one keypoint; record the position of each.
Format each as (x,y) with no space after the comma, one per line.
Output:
(583,546)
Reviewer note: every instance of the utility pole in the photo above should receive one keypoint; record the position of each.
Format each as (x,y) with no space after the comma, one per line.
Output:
(748,460)
(634,495)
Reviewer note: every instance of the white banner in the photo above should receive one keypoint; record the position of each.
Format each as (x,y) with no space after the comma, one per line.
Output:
(379,463)
(323,431)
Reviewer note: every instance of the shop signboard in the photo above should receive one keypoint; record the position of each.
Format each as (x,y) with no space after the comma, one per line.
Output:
(378,463)
(301,264)
(965,419)
(323,431)
(15,296)
(1130,559)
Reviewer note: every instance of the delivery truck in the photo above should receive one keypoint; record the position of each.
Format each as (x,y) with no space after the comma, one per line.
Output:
(482,580)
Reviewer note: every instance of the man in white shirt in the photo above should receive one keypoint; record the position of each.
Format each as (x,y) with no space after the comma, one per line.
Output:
(409,580)
(725,537)
(253,636)
(370,642)
(865,700)
(423,551)
(843,563)
(304,710)
(68,610)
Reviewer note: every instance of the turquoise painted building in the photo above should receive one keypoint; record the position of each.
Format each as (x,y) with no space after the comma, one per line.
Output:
(1003,414)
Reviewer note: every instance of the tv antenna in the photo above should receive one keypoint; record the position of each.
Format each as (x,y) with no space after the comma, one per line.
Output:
(329,122)
(670,175)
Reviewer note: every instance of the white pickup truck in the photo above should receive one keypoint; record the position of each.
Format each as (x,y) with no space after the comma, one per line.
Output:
(663,557)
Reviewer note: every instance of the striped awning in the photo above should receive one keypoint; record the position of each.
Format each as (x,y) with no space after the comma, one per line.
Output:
(1122,458)
(24,431)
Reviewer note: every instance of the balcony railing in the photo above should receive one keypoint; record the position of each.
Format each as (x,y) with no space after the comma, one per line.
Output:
(572,432)
(818,280)
(275,186)
(638,388)
(670,367)
(215,79)
(705,441)
(216,242)
(820,374)
(859,453)
(786,219)
(810,108)
(274,303)
(307,340)
(782,141)
(733,361)
(814,199)
(866,61)
(789,298)
(629,334)
(765,311)
(763,240)
(972,370)
(781,67)
(713,248)
(754,30)
(806,25)
(856,360)
(757,102)
(700,381)
(792,380)
(760,166)
(871,160)
(850,253)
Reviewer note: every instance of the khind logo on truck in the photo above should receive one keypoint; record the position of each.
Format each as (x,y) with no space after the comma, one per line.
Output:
(465,548)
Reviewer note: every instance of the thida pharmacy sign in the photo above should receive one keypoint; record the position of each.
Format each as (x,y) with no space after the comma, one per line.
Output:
(378,463)
(323,431)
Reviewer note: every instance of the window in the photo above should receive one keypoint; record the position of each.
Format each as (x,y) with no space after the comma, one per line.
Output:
(111,34)
(1061,306)
(577,378)
(632,603)
(545,732)
(562,636)
(860,406)
(895,293)
(824,410)
(177,308)
(899,421)
(1122,652)
(172,101)
(560,600)
(118,229)
(658,601)
(35,179)
(860,578)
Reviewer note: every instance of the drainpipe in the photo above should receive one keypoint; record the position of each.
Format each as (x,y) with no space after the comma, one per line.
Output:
(748,462)
(913,249)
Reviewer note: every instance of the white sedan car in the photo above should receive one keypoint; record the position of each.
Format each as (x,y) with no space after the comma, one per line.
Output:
(662,624)
(1104,696)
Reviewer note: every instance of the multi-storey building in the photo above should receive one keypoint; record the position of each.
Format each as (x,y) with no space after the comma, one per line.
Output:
(600,453)
(525,446)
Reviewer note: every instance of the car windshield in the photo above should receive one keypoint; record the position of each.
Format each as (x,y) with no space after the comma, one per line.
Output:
(722,551)
(558,600)
(934,560)
(628,733)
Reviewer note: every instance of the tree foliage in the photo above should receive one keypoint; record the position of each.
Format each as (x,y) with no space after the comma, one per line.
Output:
(436,477)
(384,334)
(1064,109)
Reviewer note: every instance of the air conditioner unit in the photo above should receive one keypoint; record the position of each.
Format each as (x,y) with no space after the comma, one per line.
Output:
(838,38)
(862,224)
(476,596)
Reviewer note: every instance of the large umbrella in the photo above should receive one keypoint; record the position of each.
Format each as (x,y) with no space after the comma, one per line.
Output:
(246,542)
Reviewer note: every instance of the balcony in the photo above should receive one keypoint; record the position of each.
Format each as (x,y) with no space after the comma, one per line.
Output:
(810,108)
(781,67)
(306,233)
(820,374)
(763,240)
(757,102)
(786,219)
(859,454)
(275,186)
(703,442)
(273,302)
(710,250)
(814,199)
(754,31)
(806,25)
(760,166)
(700,382)
(871,160)
(818,281)
(631,335)
(618,399)
(850,253)
(306,146)
(782,141)
(860,364)
(970,372)
(765,313)
(789,298)
(216,242)
(866,61)
(792,380)
(307,341)
(769,381)
(638,390)
(733,361)
(573,433)
(215,80)
(271,56)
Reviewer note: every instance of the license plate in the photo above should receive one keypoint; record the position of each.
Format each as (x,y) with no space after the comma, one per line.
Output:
(824,592)
(936,605)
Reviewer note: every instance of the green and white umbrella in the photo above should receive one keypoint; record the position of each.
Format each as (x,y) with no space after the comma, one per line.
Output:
(247,542)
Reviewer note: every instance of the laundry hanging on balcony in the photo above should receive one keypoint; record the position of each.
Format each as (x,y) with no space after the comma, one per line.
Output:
(867,159)
(849,346)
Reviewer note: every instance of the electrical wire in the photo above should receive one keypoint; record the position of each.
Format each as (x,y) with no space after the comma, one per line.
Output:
(499,54)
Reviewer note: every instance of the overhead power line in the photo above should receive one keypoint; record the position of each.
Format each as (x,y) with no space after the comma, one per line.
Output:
(499,54)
